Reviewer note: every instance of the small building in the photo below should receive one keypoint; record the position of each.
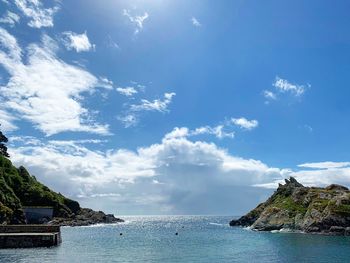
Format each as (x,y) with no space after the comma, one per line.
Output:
(38,214)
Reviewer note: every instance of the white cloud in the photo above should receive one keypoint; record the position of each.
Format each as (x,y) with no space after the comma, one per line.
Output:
(12,52)
(325,165)
(26,140)
(38,15)
(218,131)
(244,123)
(183,132)
(79,42)
(321,175)
(324,177)
(173,176)
(195,22)
(7,121)
(177,132)
(10,18)
(136,20)
(269,95)
(127,91)
(284,85)
(131,117)
(106,83)
(45,90)
(155,105)
(129,120)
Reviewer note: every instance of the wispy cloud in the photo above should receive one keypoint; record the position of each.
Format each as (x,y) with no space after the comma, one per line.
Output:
(129,120)
(136,20)
(38,15)
(10,18)
(131,116)
(7,121)
(269,95)
(155,105)
(244,123)
(284,85)
(127,91)
(325,165)
(224,130)
(13,52)
(79,42)
(45,90)
(219,132)
(195,22)
(111,43)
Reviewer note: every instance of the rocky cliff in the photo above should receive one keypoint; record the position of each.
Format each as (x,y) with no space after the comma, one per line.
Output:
(308,209)
(18,188)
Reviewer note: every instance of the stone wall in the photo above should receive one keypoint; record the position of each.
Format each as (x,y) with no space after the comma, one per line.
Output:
(25,236)
(29,229)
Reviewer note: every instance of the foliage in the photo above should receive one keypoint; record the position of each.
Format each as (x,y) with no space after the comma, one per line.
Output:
(3,148)
(288,204)
(18,188)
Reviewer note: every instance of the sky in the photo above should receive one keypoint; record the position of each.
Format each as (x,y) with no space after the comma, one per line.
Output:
(176,107)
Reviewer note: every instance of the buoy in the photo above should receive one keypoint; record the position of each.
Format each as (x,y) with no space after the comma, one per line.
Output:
(120,234)
(176,233)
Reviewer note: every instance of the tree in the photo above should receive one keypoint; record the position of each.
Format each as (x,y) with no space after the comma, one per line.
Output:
(3,148)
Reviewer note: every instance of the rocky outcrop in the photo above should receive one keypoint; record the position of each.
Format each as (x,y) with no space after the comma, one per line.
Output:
(307,209)
(85,217)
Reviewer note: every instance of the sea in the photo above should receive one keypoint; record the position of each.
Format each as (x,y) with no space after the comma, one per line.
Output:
(183,239)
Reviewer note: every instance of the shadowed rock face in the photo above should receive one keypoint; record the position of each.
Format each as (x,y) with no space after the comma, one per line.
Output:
(308,209)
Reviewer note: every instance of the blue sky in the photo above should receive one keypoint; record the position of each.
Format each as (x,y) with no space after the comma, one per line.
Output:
(176,107)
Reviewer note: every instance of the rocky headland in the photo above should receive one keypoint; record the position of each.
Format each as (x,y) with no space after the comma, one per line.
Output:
(299,208)
(19,189)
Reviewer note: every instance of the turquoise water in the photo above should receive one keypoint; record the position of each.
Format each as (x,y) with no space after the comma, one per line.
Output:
(199,239)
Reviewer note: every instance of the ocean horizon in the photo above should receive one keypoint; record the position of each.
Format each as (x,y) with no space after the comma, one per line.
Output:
(198,239)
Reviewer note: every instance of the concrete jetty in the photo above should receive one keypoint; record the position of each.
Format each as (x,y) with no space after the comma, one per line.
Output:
(26,236)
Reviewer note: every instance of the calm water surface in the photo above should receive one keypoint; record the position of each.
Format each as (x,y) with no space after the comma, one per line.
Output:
(199,239)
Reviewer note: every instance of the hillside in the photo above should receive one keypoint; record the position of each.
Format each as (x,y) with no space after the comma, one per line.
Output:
(18,188)
(307,209)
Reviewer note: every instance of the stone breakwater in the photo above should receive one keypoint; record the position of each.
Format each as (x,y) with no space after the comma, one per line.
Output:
(307,209)
(27,236)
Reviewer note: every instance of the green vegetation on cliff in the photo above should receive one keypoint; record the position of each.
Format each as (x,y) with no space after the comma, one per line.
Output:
(18,188)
